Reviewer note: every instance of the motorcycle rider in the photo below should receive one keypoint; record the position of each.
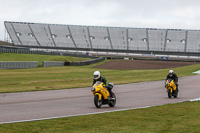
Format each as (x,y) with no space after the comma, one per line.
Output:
(173,76)
(98,77)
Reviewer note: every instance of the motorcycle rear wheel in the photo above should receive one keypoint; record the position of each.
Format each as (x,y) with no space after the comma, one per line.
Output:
(112,102)
(97,102)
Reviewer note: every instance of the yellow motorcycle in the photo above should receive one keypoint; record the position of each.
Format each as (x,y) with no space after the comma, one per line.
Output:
(171,88)
(102,95)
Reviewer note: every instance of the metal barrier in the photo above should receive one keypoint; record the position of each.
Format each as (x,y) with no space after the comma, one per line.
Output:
(52,63)
(6,49)
(18,64)
(33,64)
(81,63)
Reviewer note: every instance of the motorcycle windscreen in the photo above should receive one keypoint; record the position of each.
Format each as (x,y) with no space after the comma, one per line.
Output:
(98,83)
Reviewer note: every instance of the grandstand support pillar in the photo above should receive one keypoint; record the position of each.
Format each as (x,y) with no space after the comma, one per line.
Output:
(147,39)
(71,36)
(6,28)
(15,34)
(6,35)
(51,36)
(186,38)
(89,38)
(127,40)
(34,35)
(165,40)
(109,38)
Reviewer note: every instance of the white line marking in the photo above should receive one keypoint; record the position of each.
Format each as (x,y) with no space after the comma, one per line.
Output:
(87,113)
(197,72)
(196,99)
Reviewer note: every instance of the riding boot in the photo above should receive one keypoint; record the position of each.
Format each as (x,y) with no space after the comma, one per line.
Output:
(177,87)
(110,93)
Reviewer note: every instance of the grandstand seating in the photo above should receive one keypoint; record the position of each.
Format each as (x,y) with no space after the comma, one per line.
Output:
(61,36)
(103,38)
(193,41)
(118,38)
(99,38)
(176,41)
(156,40)
(137,39)
(12,33)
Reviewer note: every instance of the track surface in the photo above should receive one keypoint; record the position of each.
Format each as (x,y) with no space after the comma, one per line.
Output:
(45,104)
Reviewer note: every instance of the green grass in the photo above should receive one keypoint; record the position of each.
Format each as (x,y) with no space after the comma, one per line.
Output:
(172,118)
(182,117)
(36,79)
(40,58)
(6,43)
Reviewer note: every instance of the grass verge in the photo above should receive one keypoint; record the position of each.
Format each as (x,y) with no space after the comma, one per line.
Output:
(173,118)
(39,58)
(182,117)
(50,78)
(5,43)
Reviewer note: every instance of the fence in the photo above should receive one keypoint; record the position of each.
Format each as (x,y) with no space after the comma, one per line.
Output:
(81,63)
(7,49)
(52,63)
(17,65)
(33,64)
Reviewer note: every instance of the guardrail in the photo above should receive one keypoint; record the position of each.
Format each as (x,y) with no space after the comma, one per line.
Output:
(52,63)
(81,63)
(24,50)
(33,64)
(18,64)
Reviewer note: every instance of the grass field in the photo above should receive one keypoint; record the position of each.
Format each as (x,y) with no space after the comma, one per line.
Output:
(39,58)
(172,118)
(181,117)
(5,43)
(18,80)
(50,78)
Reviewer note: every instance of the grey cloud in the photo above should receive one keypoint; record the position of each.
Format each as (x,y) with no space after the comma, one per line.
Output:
(121,13)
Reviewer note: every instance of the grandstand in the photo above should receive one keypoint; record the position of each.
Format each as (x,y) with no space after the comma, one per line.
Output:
(99,38)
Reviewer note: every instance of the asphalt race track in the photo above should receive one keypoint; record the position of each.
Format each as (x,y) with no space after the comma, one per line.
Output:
(27,106)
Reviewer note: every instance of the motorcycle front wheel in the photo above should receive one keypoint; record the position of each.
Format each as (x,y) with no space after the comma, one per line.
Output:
(169,93)
(176,93)
(97,102)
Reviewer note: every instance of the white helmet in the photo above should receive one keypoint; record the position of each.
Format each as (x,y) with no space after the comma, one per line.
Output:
(171,72)
(96,74)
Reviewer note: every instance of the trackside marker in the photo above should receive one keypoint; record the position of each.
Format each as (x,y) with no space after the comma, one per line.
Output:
(197,72)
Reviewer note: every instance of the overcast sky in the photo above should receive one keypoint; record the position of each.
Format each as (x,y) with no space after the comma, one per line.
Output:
(167,14)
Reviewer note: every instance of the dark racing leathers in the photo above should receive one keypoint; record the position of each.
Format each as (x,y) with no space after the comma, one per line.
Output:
(102,79)
(175,78)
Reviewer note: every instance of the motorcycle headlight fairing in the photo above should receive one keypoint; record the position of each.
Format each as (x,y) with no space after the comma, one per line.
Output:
(93,88)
